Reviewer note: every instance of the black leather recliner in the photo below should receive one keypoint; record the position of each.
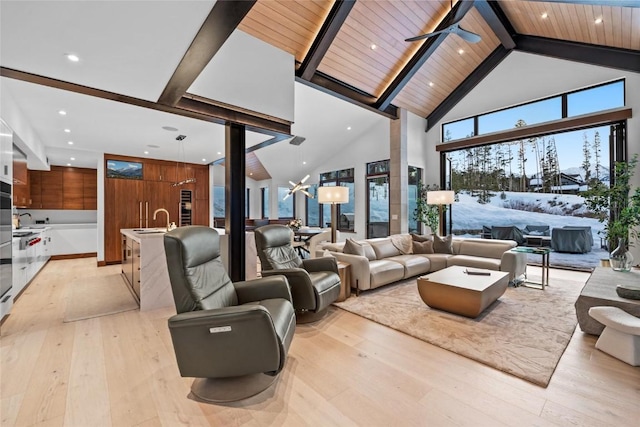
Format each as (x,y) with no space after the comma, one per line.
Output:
(233,337)
(315,283)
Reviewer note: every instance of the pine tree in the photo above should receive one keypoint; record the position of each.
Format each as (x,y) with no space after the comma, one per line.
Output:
(586,162)
(596,152)
(522,159)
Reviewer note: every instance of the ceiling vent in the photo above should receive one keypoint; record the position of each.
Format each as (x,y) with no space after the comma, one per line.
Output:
(297,140)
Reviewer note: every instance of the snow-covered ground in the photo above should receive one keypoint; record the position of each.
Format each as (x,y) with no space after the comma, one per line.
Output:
(554,211)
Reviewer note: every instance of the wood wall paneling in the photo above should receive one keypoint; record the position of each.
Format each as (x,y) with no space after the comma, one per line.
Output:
(72,188)
(51,189)
(90,189)
(21,185)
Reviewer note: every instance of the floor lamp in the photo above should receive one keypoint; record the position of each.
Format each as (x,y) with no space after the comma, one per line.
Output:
(333,196)
(440,198)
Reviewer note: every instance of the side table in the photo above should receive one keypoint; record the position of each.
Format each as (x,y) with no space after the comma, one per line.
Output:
(344,270)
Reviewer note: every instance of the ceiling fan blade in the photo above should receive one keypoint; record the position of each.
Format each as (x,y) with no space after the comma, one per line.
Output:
(467,35)
(426,36)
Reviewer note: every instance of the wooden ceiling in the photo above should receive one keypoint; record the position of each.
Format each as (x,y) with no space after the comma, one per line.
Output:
(429,77)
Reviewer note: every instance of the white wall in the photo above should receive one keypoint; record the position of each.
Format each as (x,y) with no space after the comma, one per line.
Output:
(251,74)
(522,77)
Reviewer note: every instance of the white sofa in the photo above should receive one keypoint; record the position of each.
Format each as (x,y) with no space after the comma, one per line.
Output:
(384,262)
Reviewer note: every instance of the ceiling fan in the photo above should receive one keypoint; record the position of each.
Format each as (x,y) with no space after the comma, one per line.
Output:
(454,28)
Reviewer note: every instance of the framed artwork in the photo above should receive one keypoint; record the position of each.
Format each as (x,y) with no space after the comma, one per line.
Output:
(124,170)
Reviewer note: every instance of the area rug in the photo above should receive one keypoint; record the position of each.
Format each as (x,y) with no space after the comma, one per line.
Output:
(98,296)
(524,333)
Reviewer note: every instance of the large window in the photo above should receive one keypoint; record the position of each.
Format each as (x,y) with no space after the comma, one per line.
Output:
(378,199)
(346,211)
(570,104)
(312,207)
(218,201)
(264,202)
(415,176)
(286,207)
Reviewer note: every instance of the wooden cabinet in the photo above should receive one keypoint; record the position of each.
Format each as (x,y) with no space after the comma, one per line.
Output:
(21,190)
(90,189)
(63,188)
(73,188)
(131,203)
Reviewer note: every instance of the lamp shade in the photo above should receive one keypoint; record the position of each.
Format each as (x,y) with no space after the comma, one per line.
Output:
(333,194)
(440,197)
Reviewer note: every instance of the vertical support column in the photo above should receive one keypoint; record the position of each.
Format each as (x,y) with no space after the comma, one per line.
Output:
(234,198)
(398,175)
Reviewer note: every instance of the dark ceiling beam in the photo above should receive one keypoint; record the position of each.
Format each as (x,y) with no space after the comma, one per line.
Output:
(263,144)
(331,86)
(185,107)
(622,59)
(325,37)
(615,3)
(426,50)
(224,18)
(467,85)
(493,14)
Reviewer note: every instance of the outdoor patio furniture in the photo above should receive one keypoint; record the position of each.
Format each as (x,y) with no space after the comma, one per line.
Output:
(575,240)
(510,232)
(537,230)
(486,232)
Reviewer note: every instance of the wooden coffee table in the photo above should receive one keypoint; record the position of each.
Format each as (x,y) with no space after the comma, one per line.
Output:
(455,291)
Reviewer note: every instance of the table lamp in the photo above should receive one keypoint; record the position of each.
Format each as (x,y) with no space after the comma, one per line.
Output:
(333,195)
(440,198)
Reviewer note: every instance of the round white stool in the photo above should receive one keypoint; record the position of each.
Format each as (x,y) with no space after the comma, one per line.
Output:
(621,335)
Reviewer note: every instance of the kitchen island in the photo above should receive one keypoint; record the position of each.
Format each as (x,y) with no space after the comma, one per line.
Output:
(144,267)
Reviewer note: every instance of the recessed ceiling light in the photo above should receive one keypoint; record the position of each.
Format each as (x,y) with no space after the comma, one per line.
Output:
(72,158)
(219,153)
(153,146)
(544,15)
(250,173)
(204,160)
(146,152)
(67,130)
(62,113)
(73,58)
(348,127)
(460,51)
(373,47)
(70,142)
(598,21)
(68,164)
(431,84)
(304,163)
(169,128)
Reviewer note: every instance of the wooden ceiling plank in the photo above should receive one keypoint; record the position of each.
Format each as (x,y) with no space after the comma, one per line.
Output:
(267,35)
(609,23)
(622,59)
(426,50)
(635,29)
(494,16)
(328,32)
(619,3)
(224,18)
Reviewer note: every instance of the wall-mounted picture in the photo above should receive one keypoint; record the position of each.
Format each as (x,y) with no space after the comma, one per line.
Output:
(124,170)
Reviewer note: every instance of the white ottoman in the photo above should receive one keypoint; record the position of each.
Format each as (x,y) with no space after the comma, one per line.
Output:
(621,335)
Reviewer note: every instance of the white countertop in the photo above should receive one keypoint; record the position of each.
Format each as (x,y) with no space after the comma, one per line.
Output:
(138,234)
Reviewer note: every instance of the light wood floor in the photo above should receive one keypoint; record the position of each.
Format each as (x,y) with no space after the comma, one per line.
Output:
(120,370)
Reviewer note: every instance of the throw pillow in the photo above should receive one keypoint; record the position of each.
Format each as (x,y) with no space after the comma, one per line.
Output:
(420,237)
(402,242)
(352,247)
(443,245)
(423,247)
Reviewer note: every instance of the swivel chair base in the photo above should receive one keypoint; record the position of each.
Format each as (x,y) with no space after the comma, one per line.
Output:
(232,389)
(303,317)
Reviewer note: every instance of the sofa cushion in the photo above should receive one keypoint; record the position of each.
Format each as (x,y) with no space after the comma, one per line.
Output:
(413,265)
(442,245)
(421,237)
(423,247)
(384,249)
(485,248)
(403,243)
(474,261)
(383,271)
(437,261)
(352,247)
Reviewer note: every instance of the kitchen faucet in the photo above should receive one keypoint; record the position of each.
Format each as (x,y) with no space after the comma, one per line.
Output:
(165,211)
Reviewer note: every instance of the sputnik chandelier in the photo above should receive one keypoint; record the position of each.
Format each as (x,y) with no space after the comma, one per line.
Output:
(299,187)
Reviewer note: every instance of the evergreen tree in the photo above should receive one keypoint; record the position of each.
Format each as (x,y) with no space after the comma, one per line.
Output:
(597,155)
(586,162)
(522,159)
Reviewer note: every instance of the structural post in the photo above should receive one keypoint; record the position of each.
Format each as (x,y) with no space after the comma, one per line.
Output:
(398,175)
(234,198)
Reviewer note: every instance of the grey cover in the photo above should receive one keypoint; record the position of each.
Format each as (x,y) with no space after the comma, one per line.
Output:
(578,240)
(510,232)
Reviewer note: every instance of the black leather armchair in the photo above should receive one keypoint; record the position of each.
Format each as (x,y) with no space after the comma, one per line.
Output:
(314,283)
(233,337)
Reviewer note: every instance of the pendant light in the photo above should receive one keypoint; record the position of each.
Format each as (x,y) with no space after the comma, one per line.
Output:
(180,139)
